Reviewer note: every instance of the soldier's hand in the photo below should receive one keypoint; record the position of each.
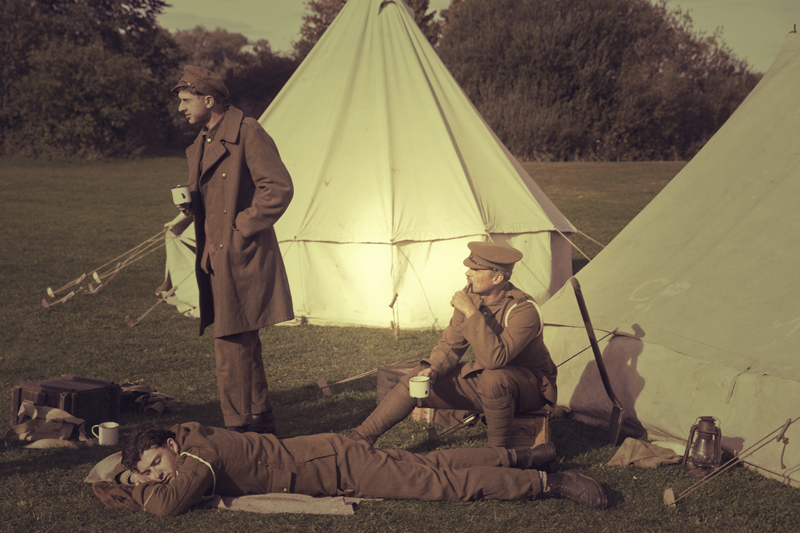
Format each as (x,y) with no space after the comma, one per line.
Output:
(429,372)
(463,303)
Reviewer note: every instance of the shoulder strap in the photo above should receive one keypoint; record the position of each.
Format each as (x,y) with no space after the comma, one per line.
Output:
(519,301)
(213,474)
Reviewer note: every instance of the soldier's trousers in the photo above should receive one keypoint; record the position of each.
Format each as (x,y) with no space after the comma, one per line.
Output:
(463,474)
(243,389)
(497,393)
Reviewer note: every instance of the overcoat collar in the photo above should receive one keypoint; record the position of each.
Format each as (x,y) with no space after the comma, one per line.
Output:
(228,133)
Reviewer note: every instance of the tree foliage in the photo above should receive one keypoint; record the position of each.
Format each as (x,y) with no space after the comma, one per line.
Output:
(592,79)
(320,15)
(253,73)
(84,78)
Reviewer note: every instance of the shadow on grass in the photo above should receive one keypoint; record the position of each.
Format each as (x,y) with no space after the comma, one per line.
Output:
(572,438)
(614,497)
(298,411)
(19,461)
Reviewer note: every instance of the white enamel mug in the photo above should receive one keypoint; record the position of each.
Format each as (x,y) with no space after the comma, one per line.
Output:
(180,195)
(419,386)
(108,433)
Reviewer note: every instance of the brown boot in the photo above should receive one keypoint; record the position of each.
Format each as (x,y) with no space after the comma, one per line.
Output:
(264,423)
(538,457)
(578,487)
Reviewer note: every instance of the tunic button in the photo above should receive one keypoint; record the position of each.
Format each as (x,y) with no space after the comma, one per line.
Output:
(208,139)
(285,490)
(224,211)
(224,175)
(220,246)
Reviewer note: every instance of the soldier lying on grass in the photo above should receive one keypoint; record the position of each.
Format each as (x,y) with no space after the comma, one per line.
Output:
(176,469)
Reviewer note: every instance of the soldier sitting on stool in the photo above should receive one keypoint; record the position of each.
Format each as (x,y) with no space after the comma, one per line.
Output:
(512,371)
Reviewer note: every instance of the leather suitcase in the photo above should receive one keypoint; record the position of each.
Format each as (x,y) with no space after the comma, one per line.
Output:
(94,400)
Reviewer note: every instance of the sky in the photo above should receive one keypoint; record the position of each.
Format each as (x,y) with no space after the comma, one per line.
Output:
(753,29)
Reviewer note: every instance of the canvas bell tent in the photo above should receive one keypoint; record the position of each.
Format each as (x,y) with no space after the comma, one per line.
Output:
(180,283)
(394,173)
(700,292)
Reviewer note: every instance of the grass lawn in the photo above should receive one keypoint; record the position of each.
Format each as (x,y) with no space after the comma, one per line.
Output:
(61,220)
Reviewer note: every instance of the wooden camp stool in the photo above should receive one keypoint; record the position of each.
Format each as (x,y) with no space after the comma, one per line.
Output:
(530,429)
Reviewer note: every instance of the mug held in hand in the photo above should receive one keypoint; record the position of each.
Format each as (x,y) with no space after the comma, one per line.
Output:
(180,195)
(419,386)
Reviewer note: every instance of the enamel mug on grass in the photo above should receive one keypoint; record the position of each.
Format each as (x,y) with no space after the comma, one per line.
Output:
(107,433)
(419,386)
(180,195)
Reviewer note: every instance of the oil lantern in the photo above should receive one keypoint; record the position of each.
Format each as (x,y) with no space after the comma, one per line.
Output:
(704,448)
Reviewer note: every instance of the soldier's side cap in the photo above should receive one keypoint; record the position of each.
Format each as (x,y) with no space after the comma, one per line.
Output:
(491,256)
(203,81)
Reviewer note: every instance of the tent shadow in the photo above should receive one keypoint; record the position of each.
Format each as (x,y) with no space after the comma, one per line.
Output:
(572,439)
(621,357)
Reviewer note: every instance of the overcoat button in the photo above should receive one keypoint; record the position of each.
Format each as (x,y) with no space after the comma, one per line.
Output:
(224,175)
(220,246)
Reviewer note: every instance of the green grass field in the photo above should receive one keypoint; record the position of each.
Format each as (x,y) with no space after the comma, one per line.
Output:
(61,220)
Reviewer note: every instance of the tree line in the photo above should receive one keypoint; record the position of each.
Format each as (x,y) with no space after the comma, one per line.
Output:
(555,79)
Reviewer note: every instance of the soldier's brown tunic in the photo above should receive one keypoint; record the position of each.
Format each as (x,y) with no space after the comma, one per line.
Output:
(214,461)
(504,333)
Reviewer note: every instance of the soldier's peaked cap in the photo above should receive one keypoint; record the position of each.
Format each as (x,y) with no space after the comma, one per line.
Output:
(203,81)
(491,256)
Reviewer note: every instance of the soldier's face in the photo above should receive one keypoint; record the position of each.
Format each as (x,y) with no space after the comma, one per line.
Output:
(196,108)
(158,464)
(482,281)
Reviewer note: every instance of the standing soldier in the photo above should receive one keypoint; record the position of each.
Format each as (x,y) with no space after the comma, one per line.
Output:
(239,188)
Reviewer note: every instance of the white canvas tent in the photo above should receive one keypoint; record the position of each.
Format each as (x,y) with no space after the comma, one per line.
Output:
(702,291)
(180,283)
(394,172)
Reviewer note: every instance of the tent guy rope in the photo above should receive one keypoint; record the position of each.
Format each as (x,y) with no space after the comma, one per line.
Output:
(669,495)
(105,273)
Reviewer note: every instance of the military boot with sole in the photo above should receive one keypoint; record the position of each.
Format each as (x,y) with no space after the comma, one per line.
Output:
(578,487)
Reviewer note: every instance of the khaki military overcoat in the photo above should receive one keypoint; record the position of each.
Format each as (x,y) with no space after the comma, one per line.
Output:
(247,189)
